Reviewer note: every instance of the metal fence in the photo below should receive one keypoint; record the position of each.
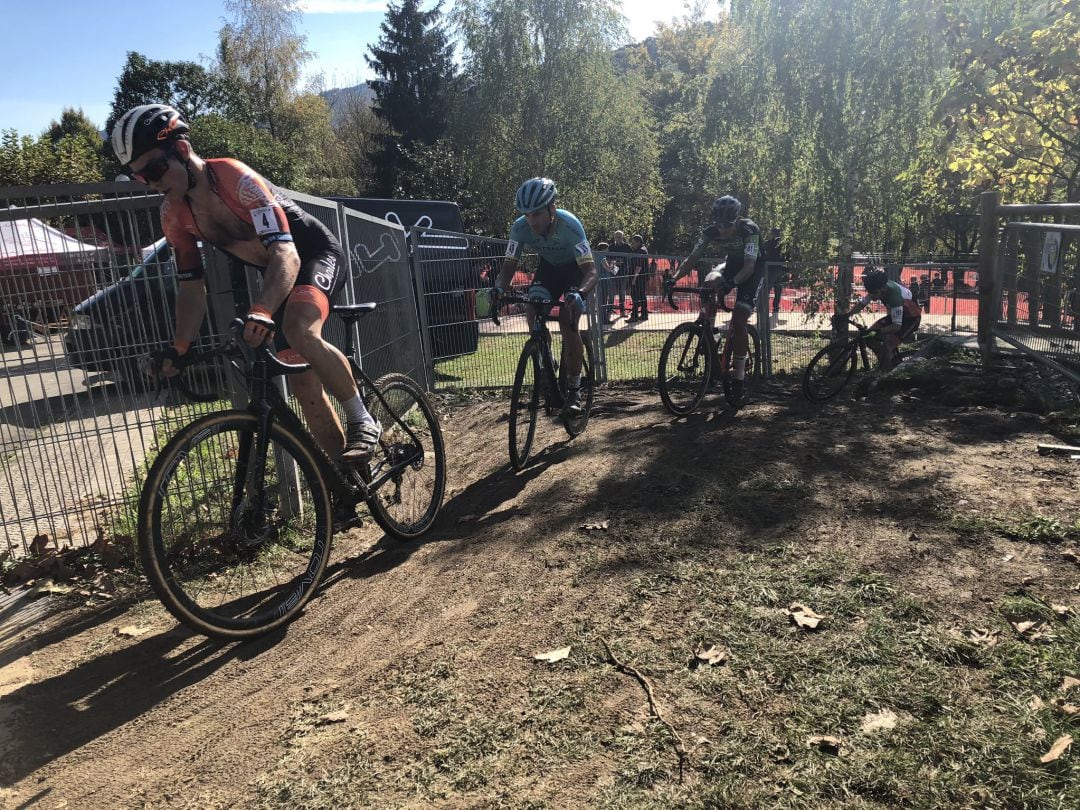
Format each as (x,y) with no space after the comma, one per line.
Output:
(629,318)
(1037,282)
(87,288)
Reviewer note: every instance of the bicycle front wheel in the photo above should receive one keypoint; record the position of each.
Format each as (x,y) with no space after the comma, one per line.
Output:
(410,457)
(830,371)
(576,425)
(686,366)
(524,405)
(234,545)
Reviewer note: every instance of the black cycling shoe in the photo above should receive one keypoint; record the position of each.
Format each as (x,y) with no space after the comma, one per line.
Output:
(734,391)
(572,406)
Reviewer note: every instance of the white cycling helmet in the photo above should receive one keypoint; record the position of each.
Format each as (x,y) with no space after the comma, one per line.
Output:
(146,127)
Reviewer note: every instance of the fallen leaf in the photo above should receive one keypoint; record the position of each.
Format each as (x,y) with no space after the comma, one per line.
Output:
(554,655)
(884,720)
(1064,611)
(803,616)
(595,527)
(710,654)
(1060,746)
(333,717)
(1008,557)
(38,545)
(1067,709)
(830,745)
(982,635)
(1023,627)
(131,631)
(1068,683)
(1035,703)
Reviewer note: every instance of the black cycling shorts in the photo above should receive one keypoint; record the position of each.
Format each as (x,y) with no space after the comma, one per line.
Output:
(558,278)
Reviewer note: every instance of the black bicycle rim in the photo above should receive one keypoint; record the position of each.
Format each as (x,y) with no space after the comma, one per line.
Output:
(227,557)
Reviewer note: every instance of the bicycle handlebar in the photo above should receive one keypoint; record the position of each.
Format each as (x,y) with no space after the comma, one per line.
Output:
(233,347)
(704,292)
(514,298)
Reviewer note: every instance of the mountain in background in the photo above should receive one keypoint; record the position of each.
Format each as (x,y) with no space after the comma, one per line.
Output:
(339,97)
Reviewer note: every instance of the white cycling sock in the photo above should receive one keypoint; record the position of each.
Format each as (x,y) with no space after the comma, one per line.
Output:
(739,367)
(573,381)
(355,410)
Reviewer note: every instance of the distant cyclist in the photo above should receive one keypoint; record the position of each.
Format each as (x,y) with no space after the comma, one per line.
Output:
(739,240)
(566,269)
(226,204)
(904,314)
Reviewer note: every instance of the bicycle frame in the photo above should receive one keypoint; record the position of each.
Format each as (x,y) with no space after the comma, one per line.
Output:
(268,404)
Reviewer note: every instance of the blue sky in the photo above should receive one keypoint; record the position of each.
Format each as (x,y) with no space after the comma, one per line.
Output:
(68,53)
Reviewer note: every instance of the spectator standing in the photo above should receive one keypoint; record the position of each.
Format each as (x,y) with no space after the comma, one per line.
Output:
(619,253)
(607,283)
(639,280)
(924,294)
(776,257)
(916,293)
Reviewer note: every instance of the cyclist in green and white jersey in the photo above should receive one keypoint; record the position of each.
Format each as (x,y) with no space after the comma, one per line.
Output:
(739,240)
(904,314)
(566,269)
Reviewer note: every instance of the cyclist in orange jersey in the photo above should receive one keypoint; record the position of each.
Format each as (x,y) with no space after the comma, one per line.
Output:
(226,204)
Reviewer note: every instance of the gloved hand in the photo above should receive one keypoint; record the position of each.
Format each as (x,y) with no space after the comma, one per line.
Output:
(669,285)
(574,302)
(258,326)
(168,360)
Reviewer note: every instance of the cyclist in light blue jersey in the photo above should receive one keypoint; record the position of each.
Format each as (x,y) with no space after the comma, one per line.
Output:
(566,268)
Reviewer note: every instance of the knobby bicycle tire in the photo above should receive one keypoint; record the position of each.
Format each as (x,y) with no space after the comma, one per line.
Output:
(524,405)
(406,505)
(575,425)
(681,389)
(209,527)
(830,370)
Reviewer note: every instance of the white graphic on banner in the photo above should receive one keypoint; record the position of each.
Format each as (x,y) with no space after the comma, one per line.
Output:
(371,259)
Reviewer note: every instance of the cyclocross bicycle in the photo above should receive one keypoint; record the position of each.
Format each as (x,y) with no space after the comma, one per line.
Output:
(694,353)
(834,366)
(540,382)
(237,512)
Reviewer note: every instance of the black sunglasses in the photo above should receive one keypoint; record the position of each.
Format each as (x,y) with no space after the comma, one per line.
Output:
(155,169)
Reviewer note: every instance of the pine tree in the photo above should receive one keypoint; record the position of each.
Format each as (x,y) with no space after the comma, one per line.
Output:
(414,61)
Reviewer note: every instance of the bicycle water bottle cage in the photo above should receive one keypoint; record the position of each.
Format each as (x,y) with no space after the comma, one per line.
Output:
(539,295)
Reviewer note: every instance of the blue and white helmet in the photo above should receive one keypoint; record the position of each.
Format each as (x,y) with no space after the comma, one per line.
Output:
(535,194)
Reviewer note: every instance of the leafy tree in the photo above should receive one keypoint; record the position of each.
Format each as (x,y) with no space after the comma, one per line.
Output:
(544,98)
(360,132)
(187,86)
(217,136)
(260,57)
(74,122)
(414,60)
(1018,93)
(27,161)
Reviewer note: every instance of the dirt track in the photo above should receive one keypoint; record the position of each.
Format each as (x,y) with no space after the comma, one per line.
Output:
(96,719)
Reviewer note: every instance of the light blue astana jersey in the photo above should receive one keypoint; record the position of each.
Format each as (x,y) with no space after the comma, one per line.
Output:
(566,244)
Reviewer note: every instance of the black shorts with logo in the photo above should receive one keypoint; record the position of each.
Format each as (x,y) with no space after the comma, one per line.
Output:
(558,278)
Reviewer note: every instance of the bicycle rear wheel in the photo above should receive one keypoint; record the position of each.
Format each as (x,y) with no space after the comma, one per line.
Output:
(524,405)
(576,425)
(411,451)
(686,366)
(830,371)
(234,552)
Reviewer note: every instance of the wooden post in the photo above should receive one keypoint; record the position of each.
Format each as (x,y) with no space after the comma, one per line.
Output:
(989,300)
